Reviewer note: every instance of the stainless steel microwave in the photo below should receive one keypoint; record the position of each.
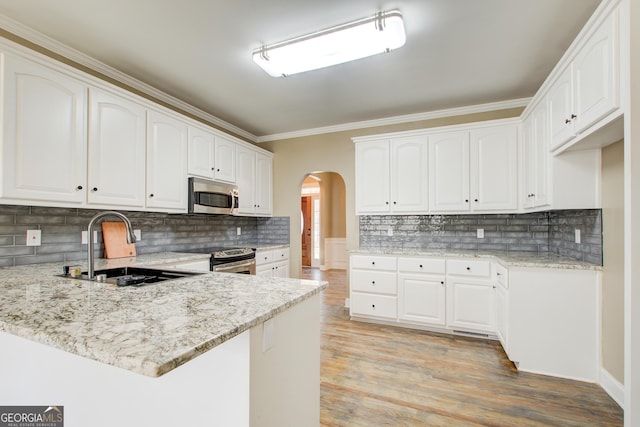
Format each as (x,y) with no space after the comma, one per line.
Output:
(210,197)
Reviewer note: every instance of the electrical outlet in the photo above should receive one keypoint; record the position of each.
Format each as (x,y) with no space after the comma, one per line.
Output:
(138,235)
(34,237)
(84,237)
(390,231)
(238,231)
(480,233)
(578,237)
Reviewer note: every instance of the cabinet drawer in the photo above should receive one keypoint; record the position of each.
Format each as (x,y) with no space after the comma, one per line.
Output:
(371,262)
(264,257)
(373,281)
(460,267)
(502,275)
(373,305)
(421,265)
(280,254)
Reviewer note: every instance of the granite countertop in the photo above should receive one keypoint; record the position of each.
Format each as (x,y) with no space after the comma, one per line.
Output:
(150,329)
(507,259)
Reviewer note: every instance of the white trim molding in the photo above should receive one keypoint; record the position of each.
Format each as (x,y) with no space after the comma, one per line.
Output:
(612,386)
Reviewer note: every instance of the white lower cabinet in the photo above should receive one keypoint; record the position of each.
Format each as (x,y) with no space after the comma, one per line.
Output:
(470,296)
(501,280)
(421,291)
(373,287)
(272,262)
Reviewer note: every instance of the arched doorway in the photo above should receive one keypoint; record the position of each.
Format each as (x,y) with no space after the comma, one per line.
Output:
(323,221)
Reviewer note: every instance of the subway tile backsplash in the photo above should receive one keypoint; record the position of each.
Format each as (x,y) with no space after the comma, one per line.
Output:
(61,233)
(552,231)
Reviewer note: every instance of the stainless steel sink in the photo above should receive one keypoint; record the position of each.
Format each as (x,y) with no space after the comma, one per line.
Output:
(134,276)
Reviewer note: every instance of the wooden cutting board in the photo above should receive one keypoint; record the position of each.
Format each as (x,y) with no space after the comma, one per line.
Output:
(114,235)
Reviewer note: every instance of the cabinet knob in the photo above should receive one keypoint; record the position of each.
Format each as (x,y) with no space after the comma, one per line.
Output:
(213,169)
(386,203)
(499,274)
(567,121)
(373,306)
(420,265)
(466,200)
(373,282)
(475,200)
(394,203)
(79,187)
(151,195)
(533,195)
(468,268)
(217,170)
(442,282)
(94,189)
(373,263)
(573,116)
(494,286)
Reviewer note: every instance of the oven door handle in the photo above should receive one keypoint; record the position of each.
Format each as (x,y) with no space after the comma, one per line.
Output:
(233,266)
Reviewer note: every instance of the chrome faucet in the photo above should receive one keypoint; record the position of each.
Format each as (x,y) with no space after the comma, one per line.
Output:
(131,237)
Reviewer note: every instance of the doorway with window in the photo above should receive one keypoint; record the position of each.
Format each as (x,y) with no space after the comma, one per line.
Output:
(323,221)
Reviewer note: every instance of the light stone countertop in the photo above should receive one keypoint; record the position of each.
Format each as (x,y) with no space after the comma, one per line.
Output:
(150,329)
(507,259)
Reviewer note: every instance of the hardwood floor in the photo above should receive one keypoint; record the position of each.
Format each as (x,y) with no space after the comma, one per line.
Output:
(375,375)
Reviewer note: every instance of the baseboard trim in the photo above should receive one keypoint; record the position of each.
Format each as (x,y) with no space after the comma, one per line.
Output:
(612,386)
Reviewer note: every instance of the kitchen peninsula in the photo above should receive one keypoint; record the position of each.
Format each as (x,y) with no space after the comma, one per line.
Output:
(212,349)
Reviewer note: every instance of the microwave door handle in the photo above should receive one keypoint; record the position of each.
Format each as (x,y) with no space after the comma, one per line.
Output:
(233,202)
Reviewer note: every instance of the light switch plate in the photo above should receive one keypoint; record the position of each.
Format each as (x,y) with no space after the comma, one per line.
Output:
(84,237)
(238,231)
(138,235)
(34,237)
(578,237)
(390,231)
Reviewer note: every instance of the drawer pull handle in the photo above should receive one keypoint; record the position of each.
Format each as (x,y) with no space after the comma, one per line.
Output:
(373,282)
(420,265)
(442,282)
(373,263)
(499,274)
(373,306)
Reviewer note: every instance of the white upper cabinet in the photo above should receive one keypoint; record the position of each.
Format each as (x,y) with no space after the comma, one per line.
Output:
(372,177)
(391,176)
(43,134)
(201,152)
(264,185)
(449,172)
(225,160)
(588,88)
(166,162)
(474,170)
(535,159)
(116,151)
(493,168)
(254,180)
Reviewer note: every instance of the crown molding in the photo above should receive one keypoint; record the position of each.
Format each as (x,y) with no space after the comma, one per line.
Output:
(35,37)
(450,112)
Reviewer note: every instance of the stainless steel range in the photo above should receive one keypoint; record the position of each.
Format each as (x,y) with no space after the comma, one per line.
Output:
(230,260)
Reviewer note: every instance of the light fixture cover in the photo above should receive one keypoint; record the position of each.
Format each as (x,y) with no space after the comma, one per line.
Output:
(354,40)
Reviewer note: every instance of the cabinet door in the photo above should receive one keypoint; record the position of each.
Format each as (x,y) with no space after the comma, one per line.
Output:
(502,316)
(264,184)
(560,105)
(449,172)
(246,179)
(540,178)
(225,160)
(493,168)
(116,150)
(201,152)
(409,178)
(595,70)
(528,161)
(421,299)
(470,305)
(166,163)
(281,269)
(43,134)
(372,177)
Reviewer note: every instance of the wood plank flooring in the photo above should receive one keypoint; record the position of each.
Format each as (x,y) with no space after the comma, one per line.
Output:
(375,375)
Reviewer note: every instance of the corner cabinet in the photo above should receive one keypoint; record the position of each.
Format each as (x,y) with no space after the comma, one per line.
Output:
(166,163)
(44,134)
(588,88)
(391,176)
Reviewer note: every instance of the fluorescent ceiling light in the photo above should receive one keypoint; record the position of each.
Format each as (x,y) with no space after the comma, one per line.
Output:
(354,40)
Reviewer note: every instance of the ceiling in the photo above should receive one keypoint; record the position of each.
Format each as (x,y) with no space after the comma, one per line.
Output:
(458,53)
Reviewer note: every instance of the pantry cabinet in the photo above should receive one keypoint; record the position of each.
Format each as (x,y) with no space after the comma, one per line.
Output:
(44,134)
(116,137)
(166,162)
(391,176)
(588,88)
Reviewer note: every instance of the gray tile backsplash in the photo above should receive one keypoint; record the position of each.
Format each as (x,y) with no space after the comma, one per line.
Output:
(539,232)
(61,233)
